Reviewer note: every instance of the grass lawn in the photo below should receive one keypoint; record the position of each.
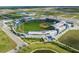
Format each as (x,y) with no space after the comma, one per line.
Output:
(68,16)
(76,16)
(71,38)
(36,44)
(33,40)
(6,43)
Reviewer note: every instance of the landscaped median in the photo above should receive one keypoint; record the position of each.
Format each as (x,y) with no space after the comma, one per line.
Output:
(6,43)
(36,44)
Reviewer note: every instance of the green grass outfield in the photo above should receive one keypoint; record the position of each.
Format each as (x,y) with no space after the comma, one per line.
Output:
(71,38)
(30,26)
(6,43)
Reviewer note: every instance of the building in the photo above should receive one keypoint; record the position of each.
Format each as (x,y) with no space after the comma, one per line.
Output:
(48,35)
(60,26)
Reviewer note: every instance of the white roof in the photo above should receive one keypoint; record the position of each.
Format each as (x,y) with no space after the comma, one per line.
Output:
(60,24)
(36,32)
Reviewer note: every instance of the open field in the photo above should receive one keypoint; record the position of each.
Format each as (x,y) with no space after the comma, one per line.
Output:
(38,44)
(74,16)
(6,43)
(69,10)
(68,16)
(71,38)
